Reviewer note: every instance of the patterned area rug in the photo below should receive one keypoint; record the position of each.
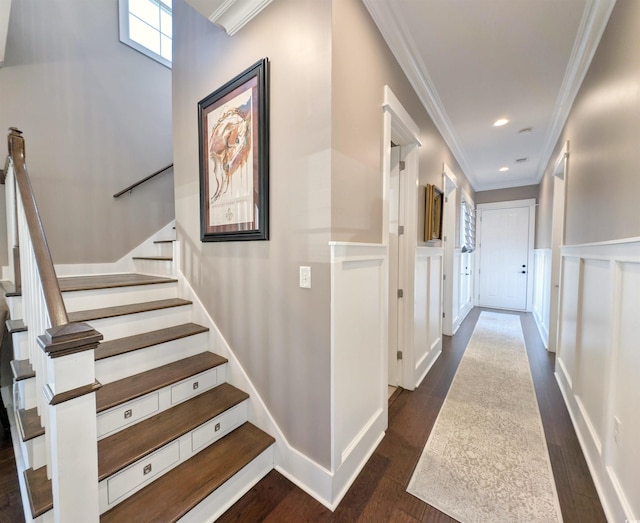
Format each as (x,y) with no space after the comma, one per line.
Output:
(486,458)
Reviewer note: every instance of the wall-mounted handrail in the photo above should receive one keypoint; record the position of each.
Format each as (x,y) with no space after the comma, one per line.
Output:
(140,182)
(51,289)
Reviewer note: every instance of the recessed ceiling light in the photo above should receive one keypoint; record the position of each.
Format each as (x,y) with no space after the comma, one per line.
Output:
(504,169)
(500,122)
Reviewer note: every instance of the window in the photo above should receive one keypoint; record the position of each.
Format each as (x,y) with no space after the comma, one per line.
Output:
(146,25)
(467,226)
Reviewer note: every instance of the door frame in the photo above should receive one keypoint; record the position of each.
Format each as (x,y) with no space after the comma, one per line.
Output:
(560,170)
(450,319)
(399,128)
(531,203)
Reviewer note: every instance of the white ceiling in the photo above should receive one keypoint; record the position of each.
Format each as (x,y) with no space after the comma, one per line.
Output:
(474,61)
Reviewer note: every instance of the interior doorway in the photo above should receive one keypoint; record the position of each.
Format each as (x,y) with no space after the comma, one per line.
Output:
(451,263)
(506,251)
(557,240)
(395,312)
(400,167)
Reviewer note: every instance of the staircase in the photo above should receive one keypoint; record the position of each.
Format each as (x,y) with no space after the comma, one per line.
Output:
(174,440)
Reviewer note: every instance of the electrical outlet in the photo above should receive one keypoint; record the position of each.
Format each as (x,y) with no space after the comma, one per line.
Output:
(616,430)
(305,277)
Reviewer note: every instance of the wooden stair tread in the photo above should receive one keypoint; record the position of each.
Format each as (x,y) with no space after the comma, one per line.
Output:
(164,241)
(147,339)
(153,258)
(30,425)
(129,445)
(171,496)
(118,392)
(15,326)
(39,491)
(122,310)
(22,369)
(109,281)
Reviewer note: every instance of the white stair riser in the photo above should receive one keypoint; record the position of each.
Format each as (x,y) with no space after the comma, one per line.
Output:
(131,324)
(139,409)
(131,479)
(25,393)
(219,501)
(130,363)
(95,299)
(14,304)
(20,345)
(163,249)
(155,267)
(34,452)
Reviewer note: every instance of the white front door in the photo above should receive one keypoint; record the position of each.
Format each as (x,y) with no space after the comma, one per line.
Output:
(504,257)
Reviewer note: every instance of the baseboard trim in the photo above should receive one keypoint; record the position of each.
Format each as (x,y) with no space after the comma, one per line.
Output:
(613,502)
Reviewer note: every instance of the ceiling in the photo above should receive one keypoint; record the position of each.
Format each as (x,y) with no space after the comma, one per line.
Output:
(475,61)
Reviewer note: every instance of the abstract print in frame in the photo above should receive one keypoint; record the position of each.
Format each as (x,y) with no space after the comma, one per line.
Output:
(233,124)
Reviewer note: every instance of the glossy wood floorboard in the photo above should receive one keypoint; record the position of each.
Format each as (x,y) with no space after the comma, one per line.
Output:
(10,501)
(379,493)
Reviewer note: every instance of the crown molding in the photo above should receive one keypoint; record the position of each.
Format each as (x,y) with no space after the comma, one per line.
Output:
(594,20)
(407,56)
(230,15)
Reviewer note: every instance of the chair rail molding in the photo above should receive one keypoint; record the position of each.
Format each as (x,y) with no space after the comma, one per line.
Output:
(230,15)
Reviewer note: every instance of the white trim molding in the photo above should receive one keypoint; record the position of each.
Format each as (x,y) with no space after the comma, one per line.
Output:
(230,15)
(597,365)
(594,20)
(541,292)
(5,11)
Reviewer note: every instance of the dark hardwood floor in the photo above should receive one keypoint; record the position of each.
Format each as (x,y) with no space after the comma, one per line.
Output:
(10,501)
(379,493)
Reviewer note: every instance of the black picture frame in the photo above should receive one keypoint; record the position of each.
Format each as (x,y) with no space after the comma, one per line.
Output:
(233,136)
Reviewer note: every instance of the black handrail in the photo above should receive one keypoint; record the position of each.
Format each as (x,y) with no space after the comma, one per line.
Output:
(133,186)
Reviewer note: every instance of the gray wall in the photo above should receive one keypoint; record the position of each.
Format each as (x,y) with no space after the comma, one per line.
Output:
(328,68)
(279,332)
(504,195)
(96,117)
(362,65)
(602,184)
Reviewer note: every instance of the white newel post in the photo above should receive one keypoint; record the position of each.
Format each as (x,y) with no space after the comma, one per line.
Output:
(70,391)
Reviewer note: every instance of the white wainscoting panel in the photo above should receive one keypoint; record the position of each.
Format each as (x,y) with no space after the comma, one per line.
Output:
(427,312)
(625,465)
(542,291)
(359,358)
(593,345)
(598,364)
(567,328)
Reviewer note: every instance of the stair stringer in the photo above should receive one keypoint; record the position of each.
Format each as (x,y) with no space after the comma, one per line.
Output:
(313,478)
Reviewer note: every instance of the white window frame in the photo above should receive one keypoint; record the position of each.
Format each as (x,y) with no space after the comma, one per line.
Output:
(123,14)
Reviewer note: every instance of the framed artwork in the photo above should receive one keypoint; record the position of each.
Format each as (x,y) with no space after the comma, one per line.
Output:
(433,214)
(233,133)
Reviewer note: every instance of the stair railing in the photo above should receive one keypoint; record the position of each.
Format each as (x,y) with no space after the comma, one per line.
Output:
(61,353)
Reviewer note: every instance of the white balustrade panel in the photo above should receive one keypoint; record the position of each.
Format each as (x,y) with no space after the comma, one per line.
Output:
(36,318)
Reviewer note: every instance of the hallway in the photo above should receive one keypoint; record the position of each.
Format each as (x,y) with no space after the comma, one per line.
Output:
(379,495)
